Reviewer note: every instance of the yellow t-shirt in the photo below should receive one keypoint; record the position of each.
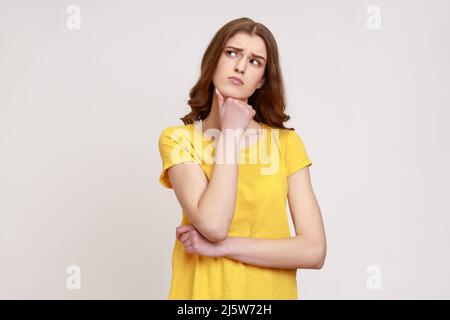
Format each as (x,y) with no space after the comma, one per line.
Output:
(260,213)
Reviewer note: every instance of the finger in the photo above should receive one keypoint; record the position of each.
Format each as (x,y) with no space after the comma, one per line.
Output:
(252,112)
(189,225)
(188,243)
(220,98)
(185,236)
(185,228)
(179,234)
(189,249)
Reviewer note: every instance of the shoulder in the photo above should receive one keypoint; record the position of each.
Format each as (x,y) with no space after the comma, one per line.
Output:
(176,129)
(289,140)
(176,144)
(285,136)
(177,133)
(292,136)
(281,137)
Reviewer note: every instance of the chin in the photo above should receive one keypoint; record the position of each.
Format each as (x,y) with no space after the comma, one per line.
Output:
(234,92)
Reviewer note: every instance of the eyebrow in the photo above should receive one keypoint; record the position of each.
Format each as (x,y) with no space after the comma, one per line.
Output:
(240,50)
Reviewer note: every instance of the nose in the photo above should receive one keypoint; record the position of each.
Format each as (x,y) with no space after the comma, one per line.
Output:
(240,66)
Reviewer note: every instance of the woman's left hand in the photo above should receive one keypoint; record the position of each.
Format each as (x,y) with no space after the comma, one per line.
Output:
(195,242)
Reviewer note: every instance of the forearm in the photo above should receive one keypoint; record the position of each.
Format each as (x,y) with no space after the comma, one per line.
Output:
(289,253)
(218,202)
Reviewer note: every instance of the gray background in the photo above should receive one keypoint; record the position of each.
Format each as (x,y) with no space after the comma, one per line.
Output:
(81,112)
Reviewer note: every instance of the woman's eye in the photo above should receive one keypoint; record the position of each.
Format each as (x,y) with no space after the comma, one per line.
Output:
(229,51)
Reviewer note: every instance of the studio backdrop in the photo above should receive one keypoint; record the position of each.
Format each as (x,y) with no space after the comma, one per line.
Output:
(86,87)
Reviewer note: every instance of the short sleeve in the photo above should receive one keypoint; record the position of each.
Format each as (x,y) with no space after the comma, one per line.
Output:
(174,147)
(296,155)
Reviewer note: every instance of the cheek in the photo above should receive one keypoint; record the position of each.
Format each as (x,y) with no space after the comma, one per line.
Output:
(254,78)
(224,66)
(219,71)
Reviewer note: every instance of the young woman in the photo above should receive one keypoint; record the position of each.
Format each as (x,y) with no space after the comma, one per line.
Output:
(234,240)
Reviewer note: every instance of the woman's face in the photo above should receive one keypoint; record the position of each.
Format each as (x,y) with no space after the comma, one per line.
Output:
(243,57)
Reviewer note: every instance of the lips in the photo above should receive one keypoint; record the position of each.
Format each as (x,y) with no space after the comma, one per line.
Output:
(237,80)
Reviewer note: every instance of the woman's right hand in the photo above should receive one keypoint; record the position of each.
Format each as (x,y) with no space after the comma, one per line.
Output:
(234,113)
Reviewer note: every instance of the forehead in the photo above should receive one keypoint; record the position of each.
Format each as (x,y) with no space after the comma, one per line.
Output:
(253,44)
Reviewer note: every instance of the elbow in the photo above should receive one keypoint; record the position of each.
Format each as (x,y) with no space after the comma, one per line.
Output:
(216,231)
(212,231)
(320,257)
(215,234)
(220,234)
(215,237)
(319,265)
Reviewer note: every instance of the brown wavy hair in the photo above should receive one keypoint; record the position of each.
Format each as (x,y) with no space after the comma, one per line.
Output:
(269,101)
